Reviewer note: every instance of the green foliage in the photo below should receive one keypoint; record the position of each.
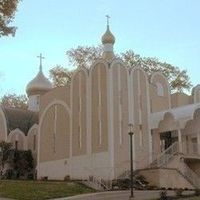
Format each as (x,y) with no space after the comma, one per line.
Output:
(5,148)
(22,162)
(7,13)
(179,192)
(178,79)
(39,190)
(14,101)
(84,56)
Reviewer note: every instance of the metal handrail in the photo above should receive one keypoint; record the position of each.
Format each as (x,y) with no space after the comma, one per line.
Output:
(166,155)
(192,176)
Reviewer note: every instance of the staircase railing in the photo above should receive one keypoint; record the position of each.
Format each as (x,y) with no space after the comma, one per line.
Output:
(99,183)
(192,176)
(166,155)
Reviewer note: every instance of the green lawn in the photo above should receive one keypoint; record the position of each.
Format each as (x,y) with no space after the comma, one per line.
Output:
(39,190)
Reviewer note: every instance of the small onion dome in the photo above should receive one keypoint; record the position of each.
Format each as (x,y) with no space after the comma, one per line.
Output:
(108,37)
(39,85)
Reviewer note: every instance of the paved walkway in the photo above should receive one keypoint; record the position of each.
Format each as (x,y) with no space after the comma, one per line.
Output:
(119,195)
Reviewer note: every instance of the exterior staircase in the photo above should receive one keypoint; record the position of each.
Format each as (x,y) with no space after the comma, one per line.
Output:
(191,176)
(164,158)
(97,183)
(170,153)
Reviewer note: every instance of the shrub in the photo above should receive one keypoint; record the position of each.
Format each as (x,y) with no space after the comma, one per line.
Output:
(179,192)
(67,178)
(163,195)
(197,192)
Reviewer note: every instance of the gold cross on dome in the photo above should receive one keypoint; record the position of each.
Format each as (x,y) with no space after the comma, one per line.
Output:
(108,17)
(40,57)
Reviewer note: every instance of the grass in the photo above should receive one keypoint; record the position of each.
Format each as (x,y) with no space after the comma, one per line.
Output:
(40,190)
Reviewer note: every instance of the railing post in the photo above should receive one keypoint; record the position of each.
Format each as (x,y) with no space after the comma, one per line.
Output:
(180,141)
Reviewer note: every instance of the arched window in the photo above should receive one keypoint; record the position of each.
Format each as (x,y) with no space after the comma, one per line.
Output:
(160,90)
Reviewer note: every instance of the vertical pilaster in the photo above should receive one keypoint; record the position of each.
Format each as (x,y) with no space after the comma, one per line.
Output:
(180,141)
(198,142)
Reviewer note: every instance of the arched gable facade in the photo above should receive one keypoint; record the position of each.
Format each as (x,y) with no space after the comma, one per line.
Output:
(32,141)
(3,126)
(99,106)
(159,93)
(79,92)
(139,87)
(120,115)
(54,132)
(18,139)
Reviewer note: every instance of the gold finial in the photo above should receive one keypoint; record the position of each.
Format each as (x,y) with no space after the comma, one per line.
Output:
(108,17)
(40,57)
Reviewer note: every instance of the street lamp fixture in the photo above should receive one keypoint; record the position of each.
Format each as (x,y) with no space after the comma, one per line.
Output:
(131,157)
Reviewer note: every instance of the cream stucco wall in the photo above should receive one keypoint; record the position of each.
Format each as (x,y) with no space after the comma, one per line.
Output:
(83,127)
(99,110)
(120,117)
(180,99)
(141,111)
(159,100)
(32,141)
(17,137)
(54,140)
(79,115)
(167,178)
(3,126)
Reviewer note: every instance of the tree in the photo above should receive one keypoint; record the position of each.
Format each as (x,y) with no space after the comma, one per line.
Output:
(7,13)
(22,162)
(178,79)
(14,101)
(60,76)
(85,56)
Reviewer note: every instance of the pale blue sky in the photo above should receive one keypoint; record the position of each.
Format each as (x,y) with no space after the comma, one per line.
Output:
(166,29)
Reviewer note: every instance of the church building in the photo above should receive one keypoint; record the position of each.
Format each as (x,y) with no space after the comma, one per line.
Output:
(81,130)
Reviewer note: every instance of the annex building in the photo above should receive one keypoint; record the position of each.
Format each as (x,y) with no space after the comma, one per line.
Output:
(81,130)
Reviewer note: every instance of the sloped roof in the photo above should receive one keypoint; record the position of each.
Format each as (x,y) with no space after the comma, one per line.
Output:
(19,118)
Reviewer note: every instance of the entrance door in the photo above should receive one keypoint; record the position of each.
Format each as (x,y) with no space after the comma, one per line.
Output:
(166,140)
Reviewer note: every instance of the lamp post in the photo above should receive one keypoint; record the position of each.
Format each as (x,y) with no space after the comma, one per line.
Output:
(1,158)
(131,157)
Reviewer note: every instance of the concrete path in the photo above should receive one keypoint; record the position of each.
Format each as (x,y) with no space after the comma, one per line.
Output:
(119,195)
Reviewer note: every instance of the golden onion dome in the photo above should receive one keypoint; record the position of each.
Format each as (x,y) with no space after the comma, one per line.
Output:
(39,85)
(108,37)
